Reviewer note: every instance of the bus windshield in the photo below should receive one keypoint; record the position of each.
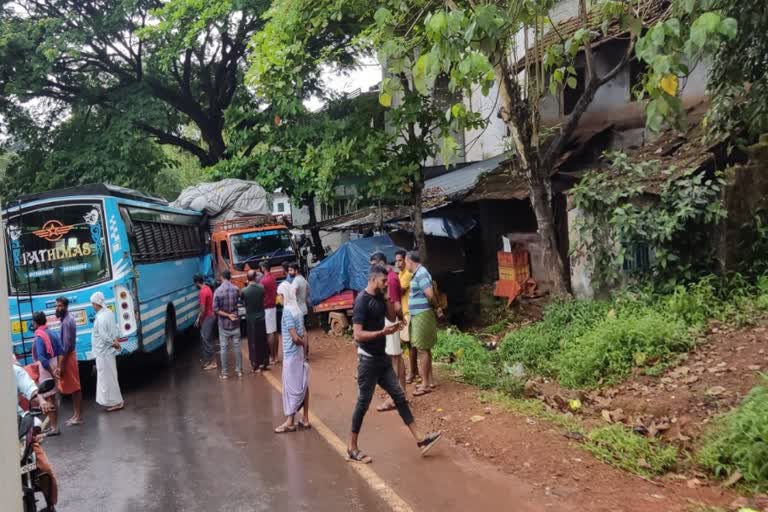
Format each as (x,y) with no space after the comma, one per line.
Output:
(259,245)
(57,248)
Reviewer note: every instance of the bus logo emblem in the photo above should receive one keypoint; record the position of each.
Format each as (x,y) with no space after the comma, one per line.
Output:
(53,230)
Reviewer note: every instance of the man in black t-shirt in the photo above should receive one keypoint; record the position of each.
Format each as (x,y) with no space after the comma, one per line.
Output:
(374,366)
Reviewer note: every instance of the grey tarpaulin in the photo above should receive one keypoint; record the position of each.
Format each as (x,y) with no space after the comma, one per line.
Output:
(226,199)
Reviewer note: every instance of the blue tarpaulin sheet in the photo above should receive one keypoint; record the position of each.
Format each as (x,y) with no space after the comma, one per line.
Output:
(347,267)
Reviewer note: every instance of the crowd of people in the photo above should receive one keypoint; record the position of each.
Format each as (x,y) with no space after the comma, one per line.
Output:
(54,358)
(397,310)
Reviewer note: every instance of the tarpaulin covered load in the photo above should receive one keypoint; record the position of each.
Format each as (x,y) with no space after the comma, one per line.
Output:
(226,199)
(347,267)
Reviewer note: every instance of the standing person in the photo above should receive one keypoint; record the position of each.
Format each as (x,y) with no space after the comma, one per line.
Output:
(422,304)
(270,309)
(405,338)
(105,345)
(301,287)
(295,366)
(373,364)
(69,373)
(225,307)
(393,348)
(287,271)
(206,322)
(253,297)
(48,354)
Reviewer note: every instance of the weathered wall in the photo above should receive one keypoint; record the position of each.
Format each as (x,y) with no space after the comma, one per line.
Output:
(581,274)
(745,193)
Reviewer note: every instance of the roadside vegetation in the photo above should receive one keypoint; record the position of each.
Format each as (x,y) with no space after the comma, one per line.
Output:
(584,345)
(588,344)
(736,447)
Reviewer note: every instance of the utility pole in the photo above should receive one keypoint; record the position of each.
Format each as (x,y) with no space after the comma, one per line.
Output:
(10,475)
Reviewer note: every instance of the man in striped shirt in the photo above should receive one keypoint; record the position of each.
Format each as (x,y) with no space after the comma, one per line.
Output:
(424,310)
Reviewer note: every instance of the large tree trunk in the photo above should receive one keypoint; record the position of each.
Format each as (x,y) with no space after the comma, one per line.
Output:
(540,186)
(516,114)
(418,218)
(318,252)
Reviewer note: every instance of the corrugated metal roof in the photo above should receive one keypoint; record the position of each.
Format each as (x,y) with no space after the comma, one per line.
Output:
(460,182)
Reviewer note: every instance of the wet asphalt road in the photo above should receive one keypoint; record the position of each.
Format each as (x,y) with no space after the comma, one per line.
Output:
(187,441)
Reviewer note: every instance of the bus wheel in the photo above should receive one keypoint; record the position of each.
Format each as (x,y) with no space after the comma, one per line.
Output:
(169,349)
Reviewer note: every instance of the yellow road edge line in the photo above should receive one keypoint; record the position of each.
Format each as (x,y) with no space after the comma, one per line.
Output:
(374,481)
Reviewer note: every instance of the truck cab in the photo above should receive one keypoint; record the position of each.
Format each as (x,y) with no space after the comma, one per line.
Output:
(241,244)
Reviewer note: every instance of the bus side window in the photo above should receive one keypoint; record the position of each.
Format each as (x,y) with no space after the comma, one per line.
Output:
(224,251)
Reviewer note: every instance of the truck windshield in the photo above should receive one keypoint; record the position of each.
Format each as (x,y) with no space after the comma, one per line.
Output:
(57,248)
(259,245)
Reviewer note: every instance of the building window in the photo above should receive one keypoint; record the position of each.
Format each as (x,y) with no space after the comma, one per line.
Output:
(280,207)
(639,258)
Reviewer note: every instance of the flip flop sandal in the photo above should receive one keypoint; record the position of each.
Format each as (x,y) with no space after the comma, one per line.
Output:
(358,456)
(422,392)
(51,433)
(70,423)
(285,430)
(386,407)
(304,426)
(115,408)
(409,380)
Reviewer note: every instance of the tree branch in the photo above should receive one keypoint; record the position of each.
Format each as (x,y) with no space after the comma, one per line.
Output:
(174,140)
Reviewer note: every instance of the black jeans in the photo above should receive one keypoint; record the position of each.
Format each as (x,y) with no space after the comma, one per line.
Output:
(372,371)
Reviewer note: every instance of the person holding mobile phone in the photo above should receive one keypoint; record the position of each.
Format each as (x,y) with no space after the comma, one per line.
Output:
(374,366)
(393,347)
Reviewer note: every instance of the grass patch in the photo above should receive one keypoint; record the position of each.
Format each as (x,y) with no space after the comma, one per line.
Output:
(609,350)
(584,344)
(620,447)
(533,408)
(467,358)
(738,441)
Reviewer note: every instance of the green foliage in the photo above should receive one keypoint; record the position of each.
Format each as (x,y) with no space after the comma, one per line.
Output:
(613,347)
(181,171)
(536,345)
(467,356)
(674,224)
(86,148)
(622,448)
(730,38)
(156,66)
(591,343)
(737,441)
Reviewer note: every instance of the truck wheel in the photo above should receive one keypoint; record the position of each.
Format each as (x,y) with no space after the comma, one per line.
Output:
(169,349)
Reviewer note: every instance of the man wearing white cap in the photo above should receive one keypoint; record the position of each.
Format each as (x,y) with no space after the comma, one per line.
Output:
(104,344)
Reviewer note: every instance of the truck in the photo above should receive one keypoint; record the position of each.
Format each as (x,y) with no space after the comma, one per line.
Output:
(241,228)
(241,244)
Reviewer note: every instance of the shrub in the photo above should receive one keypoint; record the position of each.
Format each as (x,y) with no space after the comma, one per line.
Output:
(738,441)
(622,448)
(611,348)
(534,346)
(468,357)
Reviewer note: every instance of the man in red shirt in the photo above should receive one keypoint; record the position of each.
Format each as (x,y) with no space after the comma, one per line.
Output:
(393,347)
(206,321)
(270,309)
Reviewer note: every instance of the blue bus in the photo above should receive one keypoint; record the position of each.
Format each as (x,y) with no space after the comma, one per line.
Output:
(138,251)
